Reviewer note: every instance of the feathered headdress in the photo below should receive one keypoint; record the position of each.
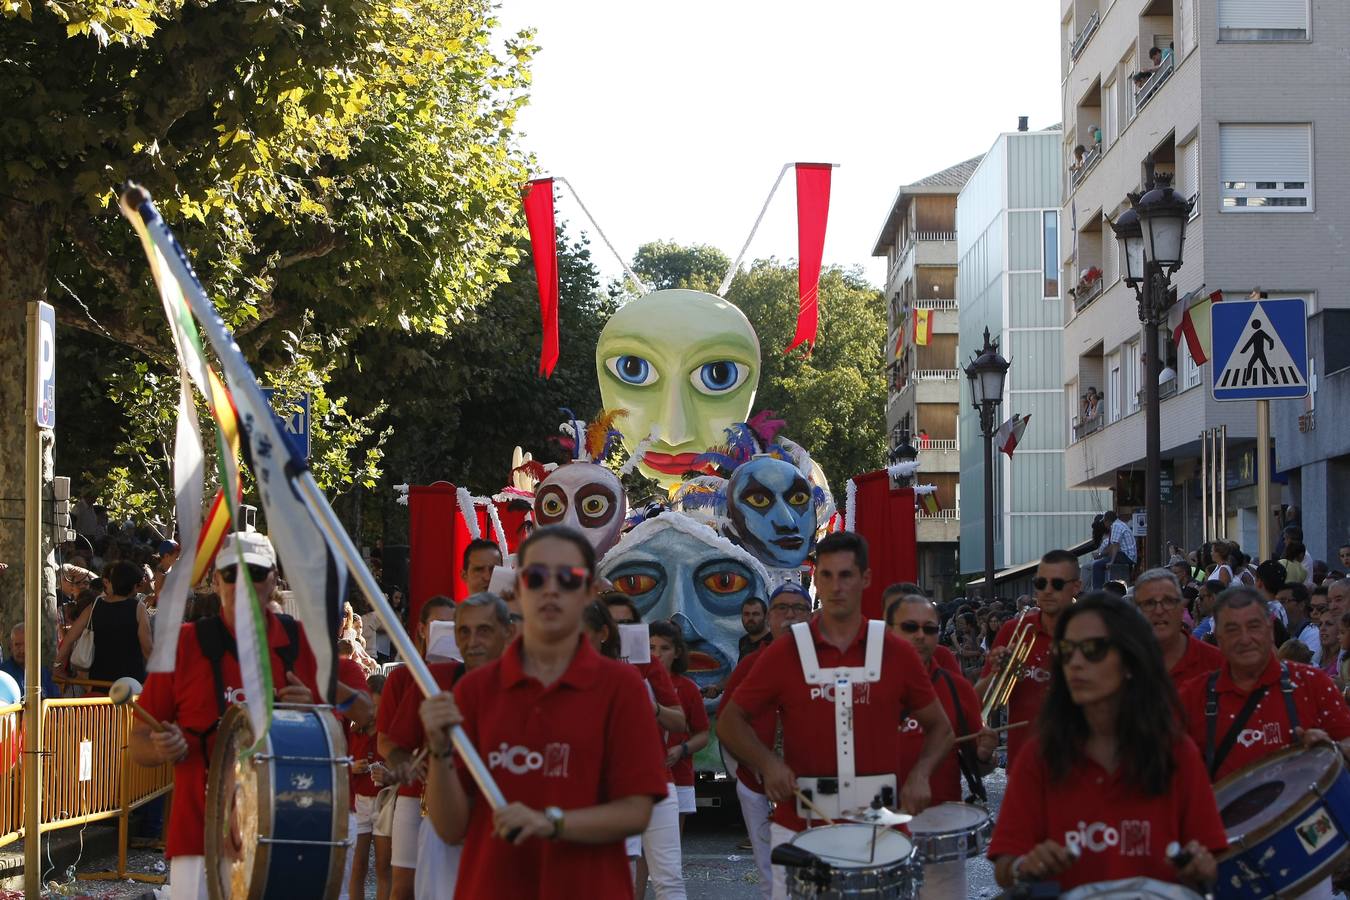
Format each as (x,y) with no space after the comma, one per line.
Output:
(590,442)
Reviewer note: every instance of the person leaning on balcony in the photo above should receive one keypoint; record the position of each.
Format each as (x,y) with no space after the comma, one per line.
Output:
(1094,400)
(1155,57)
(1079,153)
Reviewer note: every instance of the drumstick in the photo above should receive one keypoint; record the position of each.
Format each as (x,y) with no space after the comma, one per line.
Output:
(971,737)
(121,693)
(811,806)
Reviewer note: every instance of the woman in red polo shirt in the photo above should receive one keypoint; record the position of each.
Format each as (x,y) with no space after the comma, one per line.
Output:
(568,735)
(1111,780)
(669,649)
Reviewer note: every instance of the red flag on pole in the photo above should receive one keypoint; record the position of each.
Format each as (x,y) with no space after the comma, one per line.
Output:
(813,208)
(538,200)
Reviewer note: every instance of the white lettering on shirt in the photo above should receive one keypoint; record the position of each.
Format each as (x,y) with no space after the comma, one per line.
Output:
(1267,735)
(1134,837)
(861,692)
(520,760)
(234,696)
(909,726)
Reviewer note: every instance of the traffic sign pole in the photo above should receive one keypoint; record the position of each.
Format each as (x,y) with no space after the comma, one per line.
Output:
(1263,508)
(32,614)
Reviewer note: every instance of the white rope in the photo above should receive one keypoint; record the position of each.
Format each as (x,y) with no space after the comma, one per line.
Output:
(467,512)
(498,533)
(731,273)
(642,285)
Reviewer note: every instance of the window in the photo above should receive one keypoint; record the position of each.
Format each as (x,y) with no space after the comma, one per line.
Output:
(1050,253)
(1263,20)
(1129,68)
(1110,254)
(1185,28)
(1188,172)
(1114,388)
(1109,115)
(1265,168)
(1190,372)
(1133,383)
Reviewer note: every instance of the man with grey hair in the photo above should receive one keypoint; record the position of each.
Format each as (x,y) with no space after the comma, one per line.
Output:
(1337,595)
(14,665)
(1157,595)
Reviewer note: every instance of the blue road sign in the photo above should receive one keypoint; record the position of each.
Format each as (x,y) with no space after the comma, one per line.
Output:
(294,418)
(1260,349)
(44,373)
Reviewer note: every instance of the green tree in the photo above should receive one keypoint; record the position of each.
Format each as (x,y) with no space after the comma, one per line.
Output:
(352,159)
(666,264)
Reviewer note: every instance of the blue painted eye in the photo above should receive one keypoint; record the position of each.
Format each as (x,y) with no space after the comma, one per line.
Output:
(719,377)
(632,370)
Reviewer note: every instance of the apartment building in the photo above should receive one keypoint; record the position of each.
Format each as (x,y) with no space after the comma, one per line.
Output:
(1008,281)
(1244,108)
(918,240)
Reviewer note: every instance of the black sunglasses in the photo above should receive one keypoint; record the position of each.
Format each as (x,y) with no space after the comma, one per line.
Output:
(569,578)
(229,574)
(1094,649)
(1056,583)
(911,627)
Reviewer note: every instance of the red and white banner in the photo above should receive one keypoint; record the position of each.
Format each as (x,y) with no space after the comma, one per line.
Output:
(813,209)
(538,200)
(1010,433)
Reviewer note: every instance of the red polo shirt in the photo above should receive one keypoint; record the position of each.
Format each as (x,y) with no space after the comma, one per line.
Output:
(777,683)
(944,657)
(187,696)
(764,724)
(1029,695)
(691,701)
(350,673)
(663,689)
(1120,832)
(588,738)
(361,745)
(1318,703)
(945,781)
(396,685)
(405,728)
(1199,659)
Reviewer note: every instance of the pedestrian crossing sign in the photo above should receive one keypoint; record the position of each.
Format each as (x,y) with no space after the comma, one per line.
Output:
(1260,349)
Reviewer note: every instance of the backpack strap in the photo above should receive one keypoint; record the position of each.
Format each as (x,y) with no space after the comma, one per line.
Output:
(214,640)
(965,756)
(1287,690)
(291,651)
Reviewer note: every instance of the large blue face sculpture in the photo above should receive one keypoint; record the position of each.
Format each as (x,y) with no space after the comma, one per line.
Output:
(772,511)
(675,568)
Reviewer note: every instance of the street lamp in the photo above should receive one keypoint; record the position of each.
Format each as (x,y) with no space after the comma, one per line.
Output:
(986,373)
(902,452)
(1152,234)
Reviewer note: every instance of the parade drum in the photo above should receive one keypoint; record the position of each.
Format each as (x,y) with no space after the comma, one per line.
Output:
(276,819)
(855,861)
(1287,818)
(951,831)
(1131,889)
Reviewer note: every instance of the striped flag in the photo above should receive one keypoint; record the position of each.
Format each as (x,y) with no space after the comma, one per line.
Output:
(1010,433)
(1195,328)
(315,578)
(930,504)
(923,327)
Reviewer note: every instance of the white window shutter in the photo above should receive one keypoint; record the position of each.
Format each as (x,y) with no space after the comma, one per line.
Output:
(1187,169)
(1263,14)
(1250,153)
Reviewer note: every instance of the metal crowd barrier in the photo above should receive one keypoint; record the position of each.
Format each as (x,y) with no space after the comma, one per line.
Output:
(88,775)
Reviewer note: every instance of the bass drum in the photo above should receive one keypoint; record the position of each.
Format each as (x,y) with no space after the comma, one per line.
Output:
(1131,889)
(276,819)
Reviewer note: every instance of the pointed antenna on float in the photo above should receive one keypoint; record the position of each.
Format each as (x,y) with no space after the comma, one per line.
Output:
(642,285)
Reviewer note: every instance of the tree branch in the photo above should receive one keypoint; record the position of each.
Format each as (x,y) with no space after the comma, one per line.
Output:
(136,338)
(84,237)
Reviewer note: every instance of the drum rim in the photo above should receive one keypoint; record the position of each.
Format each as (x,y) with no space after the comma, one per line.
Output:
(908,860)
(1295,810)
(235,719)
(986,823)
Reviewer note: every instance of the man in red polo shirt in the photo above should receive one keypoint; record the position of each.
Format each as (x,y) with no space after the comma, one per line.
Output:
(187,702)
(788,605)
(942,655)
(1158,596)
(1058,581)
(914,619)
(798,678)
(569,736)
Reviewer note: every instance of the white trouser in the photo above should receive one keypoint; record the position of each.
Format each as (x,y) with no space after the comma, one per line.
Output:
(944,881)
(755,812)
(779,835)
(437,864)
(407,820)
(187,877)
(661,846)
(351,856)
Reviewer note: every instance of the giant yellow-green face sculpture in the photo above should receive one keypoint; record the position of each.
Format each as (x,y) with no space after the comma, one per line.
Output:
(685,365)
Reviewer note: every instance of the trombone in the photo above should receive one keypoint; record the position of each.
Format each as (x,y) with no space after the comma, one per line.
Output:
(1000,689)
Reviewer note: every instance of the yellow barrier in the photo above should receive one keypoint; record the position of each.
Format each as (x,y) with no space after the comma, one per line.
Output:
(88,774)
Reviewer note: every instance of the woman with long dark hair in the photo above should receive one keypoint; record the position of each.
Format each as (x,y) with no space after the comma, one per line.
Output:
(1113,779)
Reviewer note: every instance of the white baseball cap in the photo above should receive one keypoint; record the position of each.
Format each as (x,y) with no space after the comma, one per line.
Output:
(253,545)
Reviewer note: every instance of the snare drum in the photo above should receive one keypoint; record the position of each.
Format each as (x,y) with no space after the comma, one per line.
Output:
(951,831)
(1287,818)
(859,861)
(1131,889)
(276,820)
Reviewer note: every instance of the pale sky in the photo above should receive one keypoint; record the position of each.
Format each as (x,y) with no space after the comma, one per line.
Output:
(672,119)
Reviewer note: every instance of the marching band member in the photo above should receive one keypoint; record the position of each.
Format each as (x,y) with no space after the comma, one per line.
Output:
(568,735)
(1058,580)
(1158,596)
(1110,779)
(885,678)
(915,619)
(788,605)
(398,688)
(1255,705)
(482,630)
(669,649)
(893,594)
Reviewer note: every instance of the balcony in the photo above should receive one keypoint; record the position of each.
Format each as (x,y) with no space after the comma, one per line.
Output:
(935,375)
(1090,159)
(936,444)
(934,303)
(1146,92)
(1079,43)
(1166,389)
(1087,291)
(942,528)
(940,514)
(1084,426)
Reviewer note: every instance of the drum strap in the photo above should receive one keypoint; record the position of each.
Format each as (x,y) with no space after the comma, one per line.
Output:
(966,754)
(1214,757)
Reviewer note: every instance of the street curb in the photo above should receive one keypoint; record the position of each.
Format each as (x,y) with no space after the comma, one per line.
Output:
(100,839)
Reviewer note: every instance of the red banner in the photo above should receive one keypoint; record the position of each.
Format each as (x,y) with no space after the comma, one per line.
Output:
(813,208)
(538,200)
(885,517)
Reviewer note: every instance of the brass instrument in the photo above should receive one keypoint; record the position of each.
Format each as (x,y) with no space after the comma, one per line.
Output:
(1000,689)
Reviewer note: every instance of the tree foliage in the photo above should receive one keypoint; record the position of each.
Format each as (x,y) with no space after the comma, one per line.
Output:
(666,264)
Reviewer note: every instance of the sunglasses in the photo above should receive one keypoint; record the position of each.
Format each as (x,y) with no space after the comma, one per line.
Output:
(1056,583)
(912,627)
(1149,606)
(569,578)
(230,574)
(1094,649)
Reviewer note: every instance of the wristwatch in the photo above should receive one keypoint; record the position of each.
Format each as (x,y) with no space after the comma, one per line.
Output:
(555,818)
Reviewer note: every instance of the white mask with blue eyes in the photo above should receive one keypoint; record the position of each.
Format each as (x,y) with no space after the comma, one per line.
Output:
(632,370)
(721,377)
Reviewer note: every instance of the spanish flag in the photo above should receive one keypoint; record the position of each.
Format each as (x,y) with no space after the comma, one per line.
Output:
(923,327)
(930,503)
(1195,328)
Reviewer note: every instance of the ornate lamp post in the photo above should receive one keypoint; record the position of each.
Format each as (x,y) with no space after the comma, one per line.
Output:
(1152,233)
(987,372)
